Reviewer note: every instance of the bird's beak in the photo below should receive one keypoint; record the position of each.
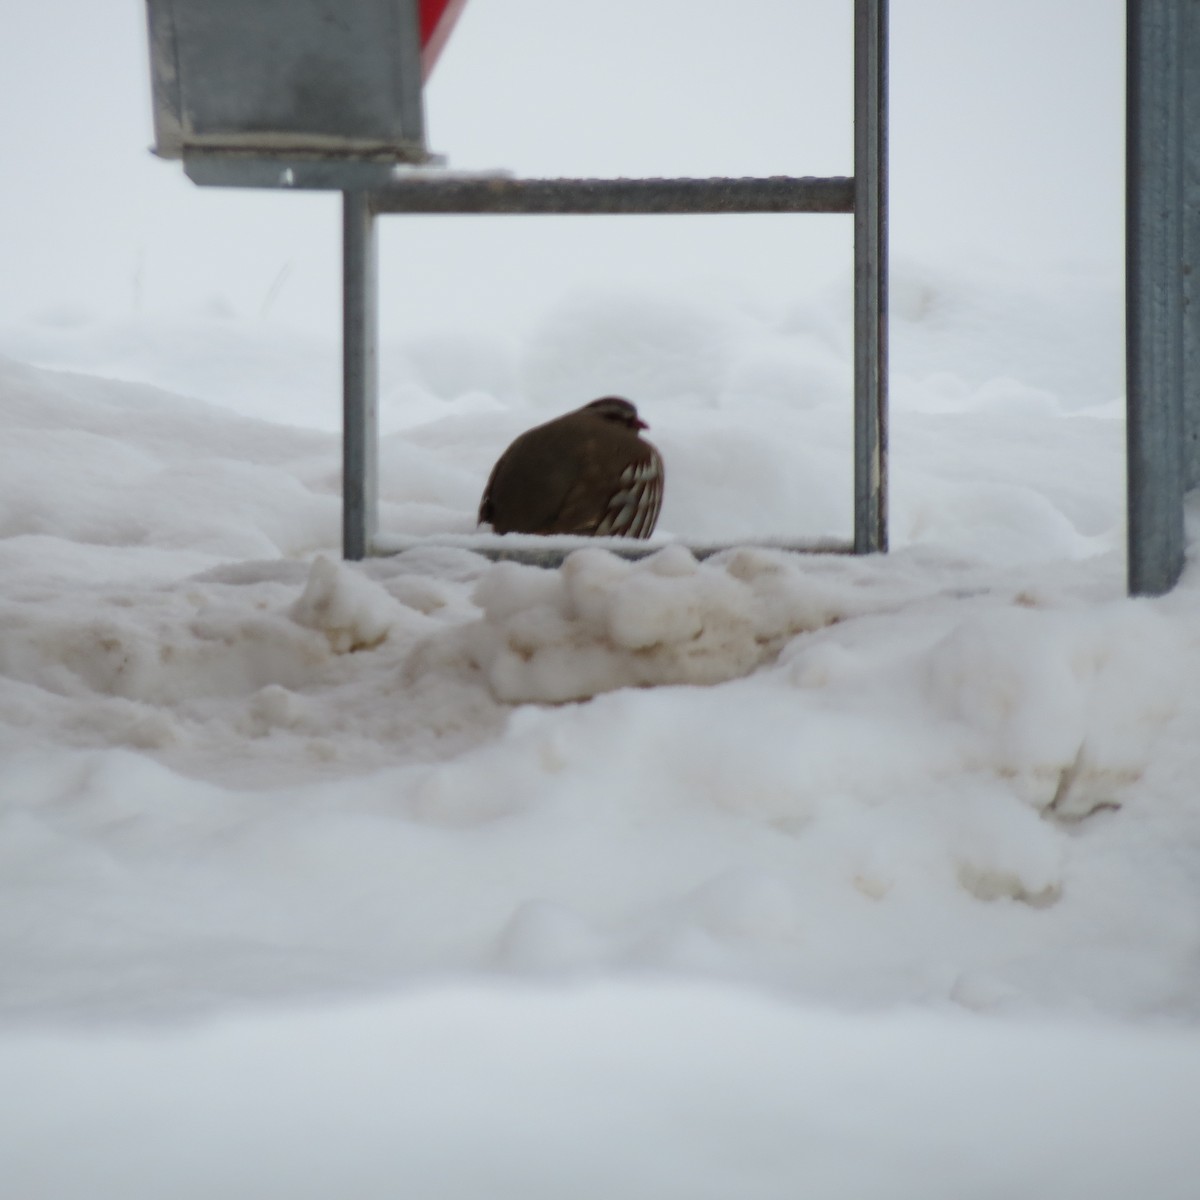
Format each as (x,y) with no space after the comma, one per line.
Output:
(640,423)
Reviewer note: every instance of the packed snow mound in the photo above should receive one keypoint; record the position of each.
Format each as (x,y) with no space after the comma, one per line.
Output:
(602,623)
(1064,706)
(94,463)
(353,612)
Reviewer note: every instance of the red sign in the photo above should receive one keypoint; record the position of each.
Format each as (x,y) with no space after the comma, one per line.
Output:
(437,20)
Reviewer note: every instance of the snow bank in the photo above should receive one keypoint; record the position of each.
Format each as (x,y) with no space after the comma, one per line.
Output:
(382,762)
(920,778)
(1067,706)
(948,795)
(93,462)
(602,623)
(750,405)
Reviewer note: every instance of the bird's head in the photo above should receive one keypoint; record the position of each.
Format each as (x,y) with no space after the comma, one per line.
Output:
(620,412)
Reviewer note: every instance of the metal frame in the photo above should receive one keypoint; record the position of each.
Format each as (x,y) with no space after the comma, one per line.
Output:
(322,94)
(325,94)
(864,195)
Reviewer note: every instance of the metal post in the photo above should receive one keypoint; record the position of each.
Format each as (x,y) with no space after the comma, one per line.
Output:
(870,275)
(1190,53)
(1154,294)
(360,375)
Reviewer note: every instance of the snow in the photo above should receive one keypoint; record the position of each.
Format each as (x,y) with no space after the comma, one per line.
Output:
(604,1090)
(642,855)
(754,874)
(601,623)
(352,612)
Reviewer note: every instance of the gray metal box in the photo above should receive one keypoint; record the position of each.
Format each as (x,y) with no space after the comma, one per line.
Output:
(243,90)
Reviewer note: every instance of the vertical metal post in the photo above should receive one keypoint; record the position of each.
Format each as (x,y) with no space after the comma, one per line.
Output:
(360,375)
(870,275)
(1154,294)
(1190,59)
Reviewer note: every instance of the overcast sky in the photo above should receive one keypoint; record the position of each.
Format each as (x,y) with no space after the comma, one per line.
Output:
(1006,145)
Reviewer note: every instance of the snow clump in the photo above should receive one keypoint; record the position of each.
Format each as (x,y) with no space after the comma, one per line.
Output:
(352,611)
(603,623)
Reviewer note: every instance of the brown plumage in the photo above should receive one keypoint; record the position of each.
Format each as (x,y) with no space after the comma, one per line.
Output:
(588,472)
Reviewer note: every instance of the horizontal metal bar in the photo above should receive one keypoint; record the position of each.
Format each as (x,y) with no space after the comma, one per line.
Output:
(540,551)
(777,194)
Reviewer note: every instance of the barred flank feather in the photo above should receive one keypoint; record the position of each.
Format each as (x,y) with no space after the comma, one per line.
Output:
(632,510)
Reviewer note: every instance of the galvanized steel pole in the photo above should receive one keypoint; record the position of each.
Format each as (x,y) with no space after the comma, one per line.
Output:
(360,376)
(870,275)
(1154,294)
(1190,233)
